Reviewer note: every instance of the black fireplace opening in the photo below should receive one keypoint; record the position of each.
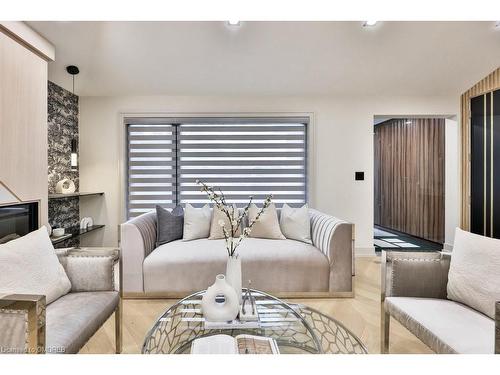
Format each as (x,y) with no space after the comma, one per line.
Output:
(17,220)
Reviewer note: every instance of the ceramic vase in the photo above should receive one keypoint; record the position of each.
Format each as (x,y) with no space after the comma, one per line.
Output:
(233,275)
(220,302)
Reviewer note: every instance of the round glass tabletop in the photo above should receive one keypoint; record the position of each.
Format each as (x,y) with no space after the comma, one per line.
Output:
(296,328)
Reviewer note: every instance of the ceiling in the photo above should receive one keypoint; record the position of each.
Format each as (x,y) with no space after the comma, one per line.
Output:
(272,58)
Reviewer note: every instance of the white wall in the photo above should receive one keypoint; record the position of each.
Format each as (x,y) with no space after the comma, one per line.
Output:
(343,144)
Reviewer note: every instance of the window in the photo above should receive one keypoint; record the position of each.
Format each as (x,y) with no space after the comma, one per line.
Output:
(242,156)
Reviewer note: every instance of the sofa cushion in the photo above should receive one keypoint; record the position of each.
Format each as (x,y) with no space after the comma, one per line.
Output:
(295,223)
(273,266)
(169,224)
(29,265)
(267,226)
(74,318)
(445,326)
(474,276)
(196,222)
(216,232)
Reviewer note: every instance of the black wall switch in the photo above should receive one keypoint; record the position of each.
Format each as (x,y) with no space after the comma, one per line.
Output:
(359,176)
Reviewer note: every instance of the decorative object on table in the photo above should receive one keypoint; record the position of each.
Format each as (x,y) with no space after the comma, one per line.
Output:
(65,186)
(49,229)
(58,232)
(248,308)
(241,344)
(220,302)
(231,228)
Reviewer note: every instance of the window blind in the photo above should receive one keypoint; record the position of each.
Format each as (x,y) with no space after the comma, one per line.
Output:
(243,158)
(151,167)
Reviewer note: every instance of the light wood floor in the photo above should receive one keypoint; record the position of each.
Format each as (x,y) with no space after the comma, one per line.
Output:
(360,314)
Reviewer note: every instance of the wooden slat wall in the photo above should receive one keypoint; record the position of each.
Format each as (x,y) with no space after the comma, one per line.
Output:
(489,83)
(409,177)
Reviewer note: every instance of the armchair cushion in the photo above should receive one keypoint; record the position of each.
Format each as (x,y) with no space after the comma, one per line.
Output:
(445,326)
(90,271)
(75,317)
(29,265)
(474,277)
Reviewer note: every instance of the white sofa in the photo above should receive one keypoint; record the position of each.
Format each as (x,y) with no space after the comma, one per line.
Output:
(283,267)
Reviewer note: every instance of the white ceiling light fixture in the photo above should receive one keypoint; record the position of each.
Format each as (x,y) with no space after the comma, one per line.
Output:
(233,23)
(369,23)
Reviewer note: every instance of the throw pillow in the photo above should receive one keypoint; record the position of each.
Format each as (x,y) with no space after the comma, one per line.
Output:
(169,225)
(295,223)
(216,232)
(267,226)
(29,265)
(196,222)
(474,276)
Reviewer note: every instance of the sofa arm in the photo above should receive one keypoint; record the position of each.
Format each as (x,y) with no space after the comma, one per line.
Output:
(414,274)
(22,324)
(137,241)
(90,269)
(335,238)
(497,328)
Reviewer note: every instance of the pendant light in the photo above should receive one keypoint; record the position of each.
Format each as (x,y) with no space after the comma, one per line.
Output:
(73,70)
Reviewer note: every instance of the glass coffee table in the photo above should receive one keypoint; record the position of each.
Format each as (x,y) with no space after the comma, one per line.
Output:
(296,328)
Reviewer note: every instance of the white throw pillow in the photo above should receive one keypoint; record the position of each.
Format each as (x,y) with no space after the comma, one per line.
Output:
(196,222)
(295,223)
(474,276)
(216,232)
(267,226)
(29,265)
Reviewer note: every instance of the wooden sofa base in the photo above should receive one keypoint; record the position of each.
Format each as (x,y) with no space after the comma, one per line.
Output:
(292,295)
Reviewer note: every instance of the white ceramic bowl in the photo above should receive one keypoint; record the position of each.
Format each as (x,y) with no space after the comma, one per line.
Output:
(58,232)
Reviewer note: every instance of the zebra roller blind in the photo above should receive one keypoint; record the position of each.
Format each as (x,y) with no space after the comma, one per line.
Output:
(243,157)
(151,167)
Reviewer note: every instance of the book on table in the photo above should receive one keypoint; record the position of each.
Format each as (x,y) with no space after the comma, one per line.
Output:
(241,344)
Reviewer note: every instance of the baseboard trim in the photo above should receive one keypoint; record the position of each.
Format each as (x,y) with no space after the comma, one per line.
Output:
(447,247)
(364,251)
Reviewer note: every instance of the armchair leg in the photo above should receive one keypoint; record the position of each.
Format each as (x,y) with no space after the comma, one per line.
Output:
(385,320)
(118,327)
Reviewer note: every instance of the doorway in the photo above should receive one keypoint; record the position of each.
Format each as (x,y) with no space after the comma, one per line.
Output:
(409,183)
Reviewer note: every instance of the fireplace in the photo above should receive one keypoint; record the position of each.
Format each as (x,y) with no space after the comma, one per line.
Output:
(17,220)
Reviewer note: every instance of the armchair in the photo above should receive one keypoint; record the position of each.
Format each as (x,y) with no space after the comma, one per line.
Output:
(28,325)
(414,292)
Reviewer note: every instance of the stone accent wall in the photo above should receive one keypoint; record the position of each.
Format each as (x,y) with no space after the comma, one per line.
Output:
(62,129)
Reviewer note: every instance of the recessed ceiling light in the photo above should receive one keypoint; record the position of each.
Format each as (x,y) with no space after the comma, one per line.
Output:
(369,23)
(233,23)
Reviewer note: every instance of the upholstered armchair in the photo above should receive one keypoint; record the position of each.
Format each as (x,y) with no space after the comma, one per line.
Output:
(28,325)
(414,292)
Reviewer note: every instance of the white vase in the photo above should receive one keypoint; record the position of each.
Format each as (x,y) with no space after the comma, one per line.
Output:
(233,275)
(220,302)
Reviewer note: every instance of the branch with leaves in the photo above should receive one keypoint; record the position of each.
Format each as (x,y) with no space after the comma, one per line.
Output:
(235,219)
